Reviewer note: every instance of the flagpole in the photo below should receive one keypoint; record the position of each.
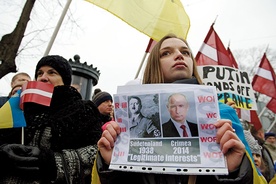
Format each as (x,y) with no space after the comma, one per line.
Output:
(266,48)
(215,20)
(22,135)
(261,113)
(57,27)
(141,64)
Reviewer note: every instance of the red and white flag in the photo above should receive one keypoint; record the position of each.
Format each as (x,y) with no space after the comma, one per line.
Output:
(231,56)
(212,51)
(264,81)
(271,105)
(251,116)
(36,92)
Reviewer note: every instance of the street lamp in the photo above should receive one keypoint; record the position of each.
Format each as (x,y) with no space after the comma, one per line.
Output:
(84,77)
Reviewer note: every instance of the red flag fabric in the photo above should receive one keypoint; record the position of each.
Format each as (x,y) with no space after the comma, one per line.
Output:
(271,105)
(151,44)
(231,56)
(212,51)
(37,92)
(251,116)
(264,79)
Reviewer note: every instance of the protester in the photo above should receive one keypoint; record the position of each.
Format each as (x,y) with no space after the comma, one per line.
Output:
(97,90)
(60,140)
(255,148)
(178,126)
(20,78)
(270,138)
(171,60)
(267,161)
(17,80)
(257,134)
(256,151)
(270,143)
(103,100)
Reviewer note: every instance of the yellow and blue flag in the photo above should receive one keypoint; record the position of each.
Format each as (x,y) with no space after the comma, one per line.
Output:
(227,113)
(153,18)
(11,116)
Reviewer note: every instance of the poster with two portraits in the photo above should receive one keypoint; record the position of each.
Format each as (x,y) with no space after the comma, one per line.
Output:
(171,154)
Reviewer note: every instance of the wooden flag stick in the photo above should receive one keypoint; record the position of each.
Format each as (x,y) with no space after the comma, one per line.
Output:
(261,113)
(22,135)
(141,64)
(57,27)
(272,124)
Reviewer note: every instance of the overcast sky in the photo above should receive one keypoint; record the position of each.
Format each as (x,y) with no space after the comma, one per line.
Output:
(117,49)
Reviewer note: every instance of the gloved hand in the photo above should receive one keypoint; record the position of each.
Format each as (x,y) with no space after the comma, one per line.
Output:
(20,157)
(26,161)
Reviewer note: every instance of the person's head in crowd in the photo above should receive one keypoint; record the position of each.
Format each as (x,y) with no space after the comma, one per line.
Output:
(53,69)
(19,79)
(255,148)
(97,90)
(258,134)
(270,137)
(103,100)
(165,64)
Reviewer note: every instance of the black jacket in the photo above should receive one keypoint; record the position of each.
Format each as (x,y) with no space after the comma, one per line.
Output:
(66,133)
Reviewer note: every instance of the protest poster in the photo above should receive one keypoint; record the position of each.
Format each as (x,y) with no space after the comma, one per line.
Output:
(150,149)
(232,85)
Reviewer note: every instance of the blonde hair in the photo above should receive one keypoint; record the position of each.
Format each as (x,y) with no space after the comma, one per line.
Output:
(18,74)
(153,71)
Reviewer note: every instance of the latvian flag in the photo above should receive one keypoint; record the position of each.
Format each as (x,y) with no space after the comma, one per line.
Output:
(36,92)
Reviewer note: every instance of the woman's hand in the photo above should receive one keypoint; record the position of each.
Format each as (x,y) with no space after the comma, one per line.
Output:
(231,146)
(107,141)
(231,104)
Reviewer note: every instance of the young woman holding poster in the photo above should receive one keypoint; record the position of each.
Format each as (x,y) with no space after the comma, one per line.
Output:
(171,61)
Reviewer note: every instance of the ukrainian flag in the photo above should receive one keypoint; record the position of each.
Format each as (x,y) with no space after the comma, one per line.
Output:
(227,113)
(11,116)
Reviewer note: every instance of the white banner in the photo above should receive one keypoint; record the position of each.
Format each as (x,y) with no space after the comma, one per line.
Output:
(144,145)
(231,83)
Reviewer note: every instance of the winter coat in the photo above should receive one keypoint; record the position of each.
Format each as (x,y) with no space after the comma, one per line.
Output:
(66,133)
(105,118)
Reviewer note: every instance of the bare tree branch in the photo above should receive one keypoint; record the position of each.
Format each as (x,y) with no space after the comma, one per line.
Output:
(10,43)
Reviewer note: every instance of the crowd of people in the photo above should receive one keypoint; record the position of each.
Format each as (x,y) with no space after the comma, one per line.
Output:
(72,140)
